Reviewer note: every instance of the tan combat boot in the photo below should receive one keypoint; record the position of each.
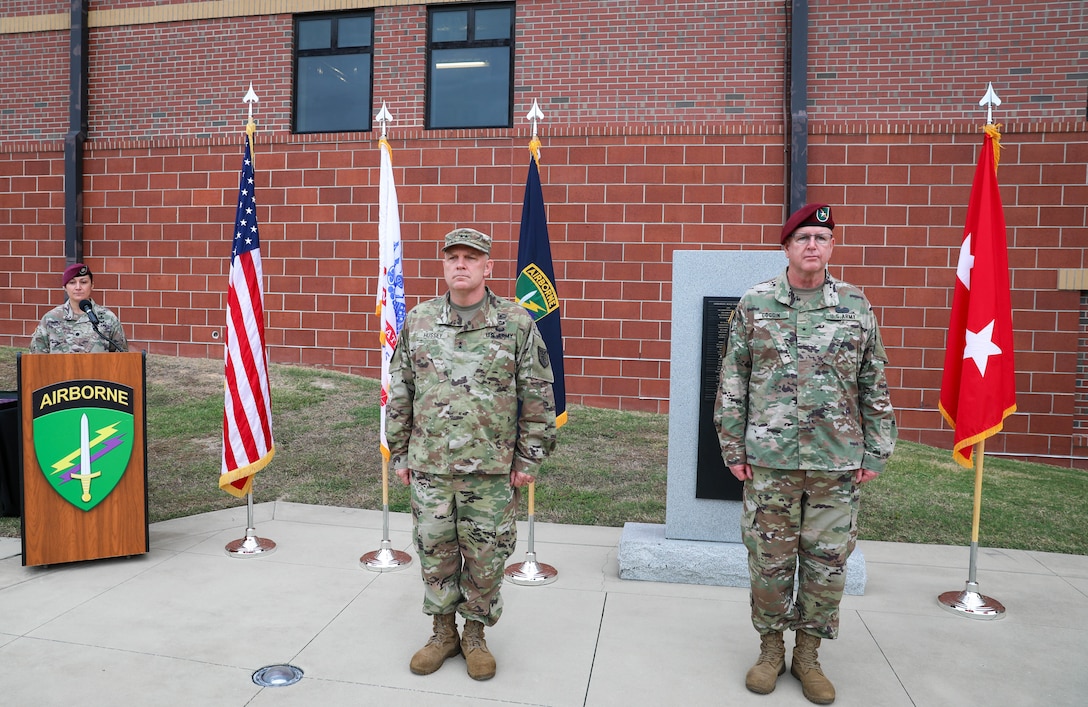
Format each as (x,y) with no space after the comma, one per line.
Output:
(806,668)
(481,664)
(770,664)
(443,644)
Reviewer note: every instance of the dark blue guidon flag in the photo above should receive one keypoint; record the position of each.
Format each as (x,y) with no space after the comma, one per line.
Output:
(535,288)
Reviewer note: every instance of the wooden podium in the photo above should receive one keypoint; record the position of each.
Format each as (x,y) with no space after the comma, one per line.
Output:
(84,455)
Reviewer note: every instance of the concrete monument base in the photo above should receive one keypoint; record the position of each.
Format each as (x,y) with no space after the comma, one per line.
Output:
(646,554)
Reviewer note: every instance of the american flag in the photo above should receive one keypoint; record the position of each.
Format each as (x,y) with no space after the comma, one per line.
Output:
(391,306)
(247,410)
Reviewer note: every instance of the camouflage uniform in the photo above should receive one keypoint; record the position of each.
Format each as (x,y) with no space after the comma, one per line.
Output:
(469,402)
(803,400)
(65,331)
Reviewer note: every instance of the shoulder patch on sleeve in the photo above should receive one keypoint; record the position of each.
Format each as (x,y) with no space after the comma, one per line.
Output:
(542,356)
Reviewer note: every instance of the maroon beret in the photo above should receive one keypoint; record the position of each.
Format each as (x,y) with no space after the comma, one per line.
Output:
(808,215)
(74,270)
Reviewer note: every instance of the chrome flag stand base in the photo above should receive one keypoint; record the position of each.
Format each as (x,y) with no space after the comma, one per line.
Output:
(971,604)
(531,572)
(385,559)
(250,545)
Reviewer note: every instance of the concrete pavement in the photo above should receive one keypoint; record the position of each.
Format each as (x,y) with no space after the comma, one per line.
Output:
(188,625)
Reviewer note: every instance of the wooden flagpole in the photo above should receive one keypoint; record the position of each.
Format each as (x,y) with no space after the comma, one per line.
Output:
(530,572)
(251,545)
(385,558)
(970,602)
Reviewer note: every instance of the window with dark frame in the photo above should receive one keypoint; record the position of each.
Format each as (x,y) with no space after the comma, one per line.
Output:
(334,73)
(470,66)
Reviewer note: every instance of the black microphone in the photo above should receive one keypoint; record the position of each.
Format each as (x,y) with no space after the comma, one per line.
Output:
(87,307)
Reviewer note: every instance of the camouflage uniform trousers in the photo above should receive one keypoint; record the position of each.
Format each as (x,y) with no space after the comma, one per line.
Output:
(803,523)
(465,531)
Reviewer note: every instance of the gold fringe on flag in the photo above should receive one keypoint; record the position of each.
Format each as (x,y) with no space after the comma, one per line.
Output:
(251,131)
(994,131)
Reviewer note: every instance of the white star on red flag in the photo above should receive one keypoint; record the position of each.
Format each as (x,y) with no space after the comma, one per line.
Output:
(967,261)
(980,346)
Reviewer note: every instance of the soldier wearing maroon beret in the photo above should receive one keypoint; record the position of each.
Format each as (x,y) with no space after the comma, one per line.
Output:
(804,418)
(818,215)
(80,325)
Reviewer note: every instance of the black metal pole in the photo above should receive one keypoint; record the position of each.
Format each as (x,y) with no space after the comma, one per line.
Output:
(78,73)
(797,72)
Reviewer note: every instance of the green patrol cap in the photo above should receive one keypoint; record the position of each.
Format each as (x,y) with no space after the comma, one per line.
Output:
(470,237)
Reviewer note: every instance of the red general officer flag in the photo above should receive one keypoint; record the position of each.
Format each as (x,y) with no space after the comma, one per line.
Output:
(978,389)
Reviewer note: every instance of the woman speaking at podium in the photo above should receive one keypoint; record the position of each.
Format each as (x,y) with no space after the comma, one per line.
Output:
(79,325)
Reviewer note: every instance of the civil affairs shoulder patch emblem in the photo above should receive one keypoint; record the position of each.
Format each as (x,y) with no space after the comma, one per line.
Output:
(83,435)
(536,292)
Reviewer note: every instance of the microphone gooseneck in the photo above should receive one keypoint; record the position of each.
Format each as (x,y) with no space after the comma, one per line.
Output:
(87,307)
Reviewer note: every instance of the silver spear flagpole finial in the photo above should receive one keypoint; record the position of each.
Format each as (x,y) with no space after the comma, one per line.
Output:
(534,115)
(990,100)
(383,117)
(251,98)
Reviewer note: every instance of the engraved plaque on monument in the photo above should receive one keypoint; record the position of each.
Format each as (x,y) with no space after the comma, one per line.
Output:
(712,478)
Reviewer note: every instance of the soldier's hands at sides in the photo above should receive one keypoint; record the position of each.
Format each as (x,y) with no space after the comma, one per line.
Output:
(520,478)
(517,478)
(741,471)
(863,475)
(744,472)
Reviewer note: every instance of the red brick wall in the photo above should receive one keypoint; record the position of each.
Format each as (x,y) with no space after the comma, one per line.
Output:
(22,8)
(663,131)
(1080,412)
(929,60)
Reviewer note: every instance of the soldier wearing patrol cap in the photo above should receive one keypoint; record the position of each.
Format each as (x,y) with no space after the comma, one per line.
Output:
(470,417)
(804,418)
(70,329)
